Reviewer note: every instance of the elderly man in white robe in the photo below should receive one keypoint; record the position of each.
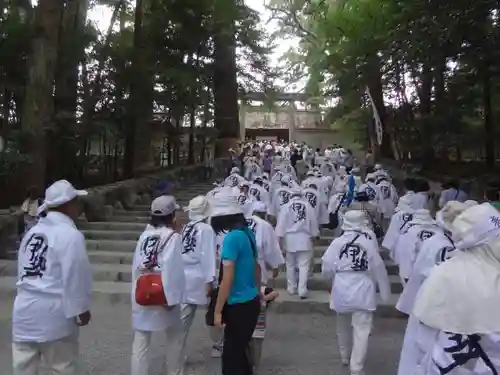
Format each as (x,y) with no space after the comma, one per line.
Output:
(434,251)
(457,306)
(353,263)
(420,228)
(199,259)
(54,287)
(296,228)
(401,218)
(258,192)
(159,250)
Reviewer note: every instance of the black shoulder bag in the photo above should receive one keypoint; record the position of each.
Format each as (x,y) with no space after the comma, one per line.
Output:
(210,314)
(334,216)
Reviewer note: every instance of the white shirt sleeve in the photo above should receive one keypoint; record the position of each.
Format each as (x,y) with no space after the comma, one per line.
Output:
(76,276)
(172,271)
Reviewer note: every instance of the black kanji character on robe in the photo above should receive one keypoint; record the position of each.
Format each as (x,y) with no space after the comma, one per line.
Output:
(252,224)
(464,349)
(495,220)
(149,251)
(444,254)
(406,218)
(370,192)
(357,255)
(284,197)
(233,181)
(242,199)
(311,198)
(37,246)
(425,234)
(266,186)
(300,212)
(386,192)
(189,238)
(255,193)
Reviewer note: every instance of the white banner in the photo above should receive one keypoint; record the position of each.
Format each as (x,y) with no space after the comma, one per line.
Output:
(378,123)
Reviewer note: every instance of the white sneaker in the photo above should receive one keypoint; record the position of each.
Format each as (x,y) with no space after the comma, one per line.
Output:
(216,351)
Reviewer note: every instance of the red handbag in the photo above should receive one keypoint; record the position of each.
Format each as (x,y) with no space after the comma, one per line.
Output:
(149,287)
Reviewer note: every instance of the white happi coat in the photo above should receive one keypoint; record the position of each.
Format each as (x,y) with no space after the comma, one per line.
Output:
(275,182)
(54,281)
(246,203)
(355,266)
(268,248)
(297,223)
(327,169)
(288,169)
(281,197)
(420,200)
(199,258)
(233,180)
(388,198)
(313,197)
(153,247)
(373,191)
(252,170)
(399,221)
(259,194)
(408,246)
(324,192)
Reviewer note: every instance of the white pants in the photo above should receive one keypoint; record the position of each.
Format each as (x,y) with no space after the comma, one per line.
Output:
(188,312)
(353,332)
(60,357)
(142,345)
(300,260)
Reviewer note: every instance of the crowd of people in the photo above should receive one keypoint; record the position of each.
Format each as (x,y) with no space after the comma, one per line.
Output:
(268,212)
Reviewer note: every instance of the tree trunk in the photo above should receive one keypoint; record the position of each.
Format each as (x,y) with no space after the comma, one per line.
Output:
(38,104)
(489,130)
(225,85)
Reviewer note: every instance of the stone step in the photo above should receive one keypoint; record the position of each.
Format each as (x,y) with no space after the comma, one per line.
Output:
(111,226)
(111,235)
(122,257)
(119,293)
(123,273)
(126,218)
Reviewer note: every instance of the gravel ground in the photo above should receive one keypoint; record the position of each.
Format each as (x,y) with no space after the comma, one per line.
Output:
(295,344)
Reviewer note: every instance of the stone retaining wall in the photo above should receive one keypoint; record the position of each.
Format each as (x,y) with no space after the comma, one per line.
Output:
(102,200)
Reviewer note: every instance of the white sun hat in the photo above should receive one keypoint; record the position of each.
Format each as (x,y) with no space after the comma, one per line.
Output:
(235,170)
(354,220)
(225,203)
(198,208)
(59,193)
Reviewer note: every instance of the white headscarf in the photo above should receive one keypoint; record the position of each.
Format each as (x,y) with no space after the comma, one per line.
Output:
(404,204)
(449,212)
(462,295)
(355,220)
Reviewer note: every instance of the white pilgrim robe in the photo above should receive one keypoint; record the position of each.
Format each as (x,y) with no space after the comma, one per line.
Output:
(246,203)
(420,200)
(288,169)
(54,281)
(399,221)
(324,192)
(434,251)
(355,269)
(275,182)
(408,246)
(252,171)
(373,191)
(268,248)
(387,199)
(199,259)
(153,245)
(327,169)
(297,223)
(281,197)
(259,193)
(313,197)
(233,180)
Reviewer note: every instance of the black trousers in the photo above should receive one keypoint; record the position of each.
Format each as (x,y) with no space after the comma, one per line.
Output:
(240,320)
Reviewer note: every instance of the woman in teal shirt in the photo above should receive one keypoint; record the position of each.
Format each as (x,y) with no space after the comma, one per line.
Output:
(238,302)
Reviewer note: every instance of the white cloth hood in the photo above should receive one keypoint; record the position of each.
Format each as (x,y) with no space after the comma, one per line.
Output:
(225,203)
(422,217)
(448,213)
(404,203)
(355,220)
(463,294)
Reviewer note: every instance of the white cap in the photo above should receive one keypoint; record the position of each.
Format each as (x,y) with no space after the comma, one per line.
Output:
(259,206)
(226,203)
(164,205)
(377,167)
(59,193)
(198,208)
(235,170)
(476,225)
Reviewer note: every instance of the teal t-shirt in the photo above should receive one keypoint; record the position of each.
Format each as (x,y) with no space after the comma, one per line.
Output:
(236,247)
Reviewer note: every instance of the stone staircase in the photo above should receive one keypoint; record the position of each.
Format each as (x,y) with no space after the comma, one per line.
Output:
(111,245)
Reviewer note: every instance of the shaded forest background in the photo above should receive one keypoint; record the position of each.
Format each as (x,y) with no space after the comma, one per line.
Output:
(81,104)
